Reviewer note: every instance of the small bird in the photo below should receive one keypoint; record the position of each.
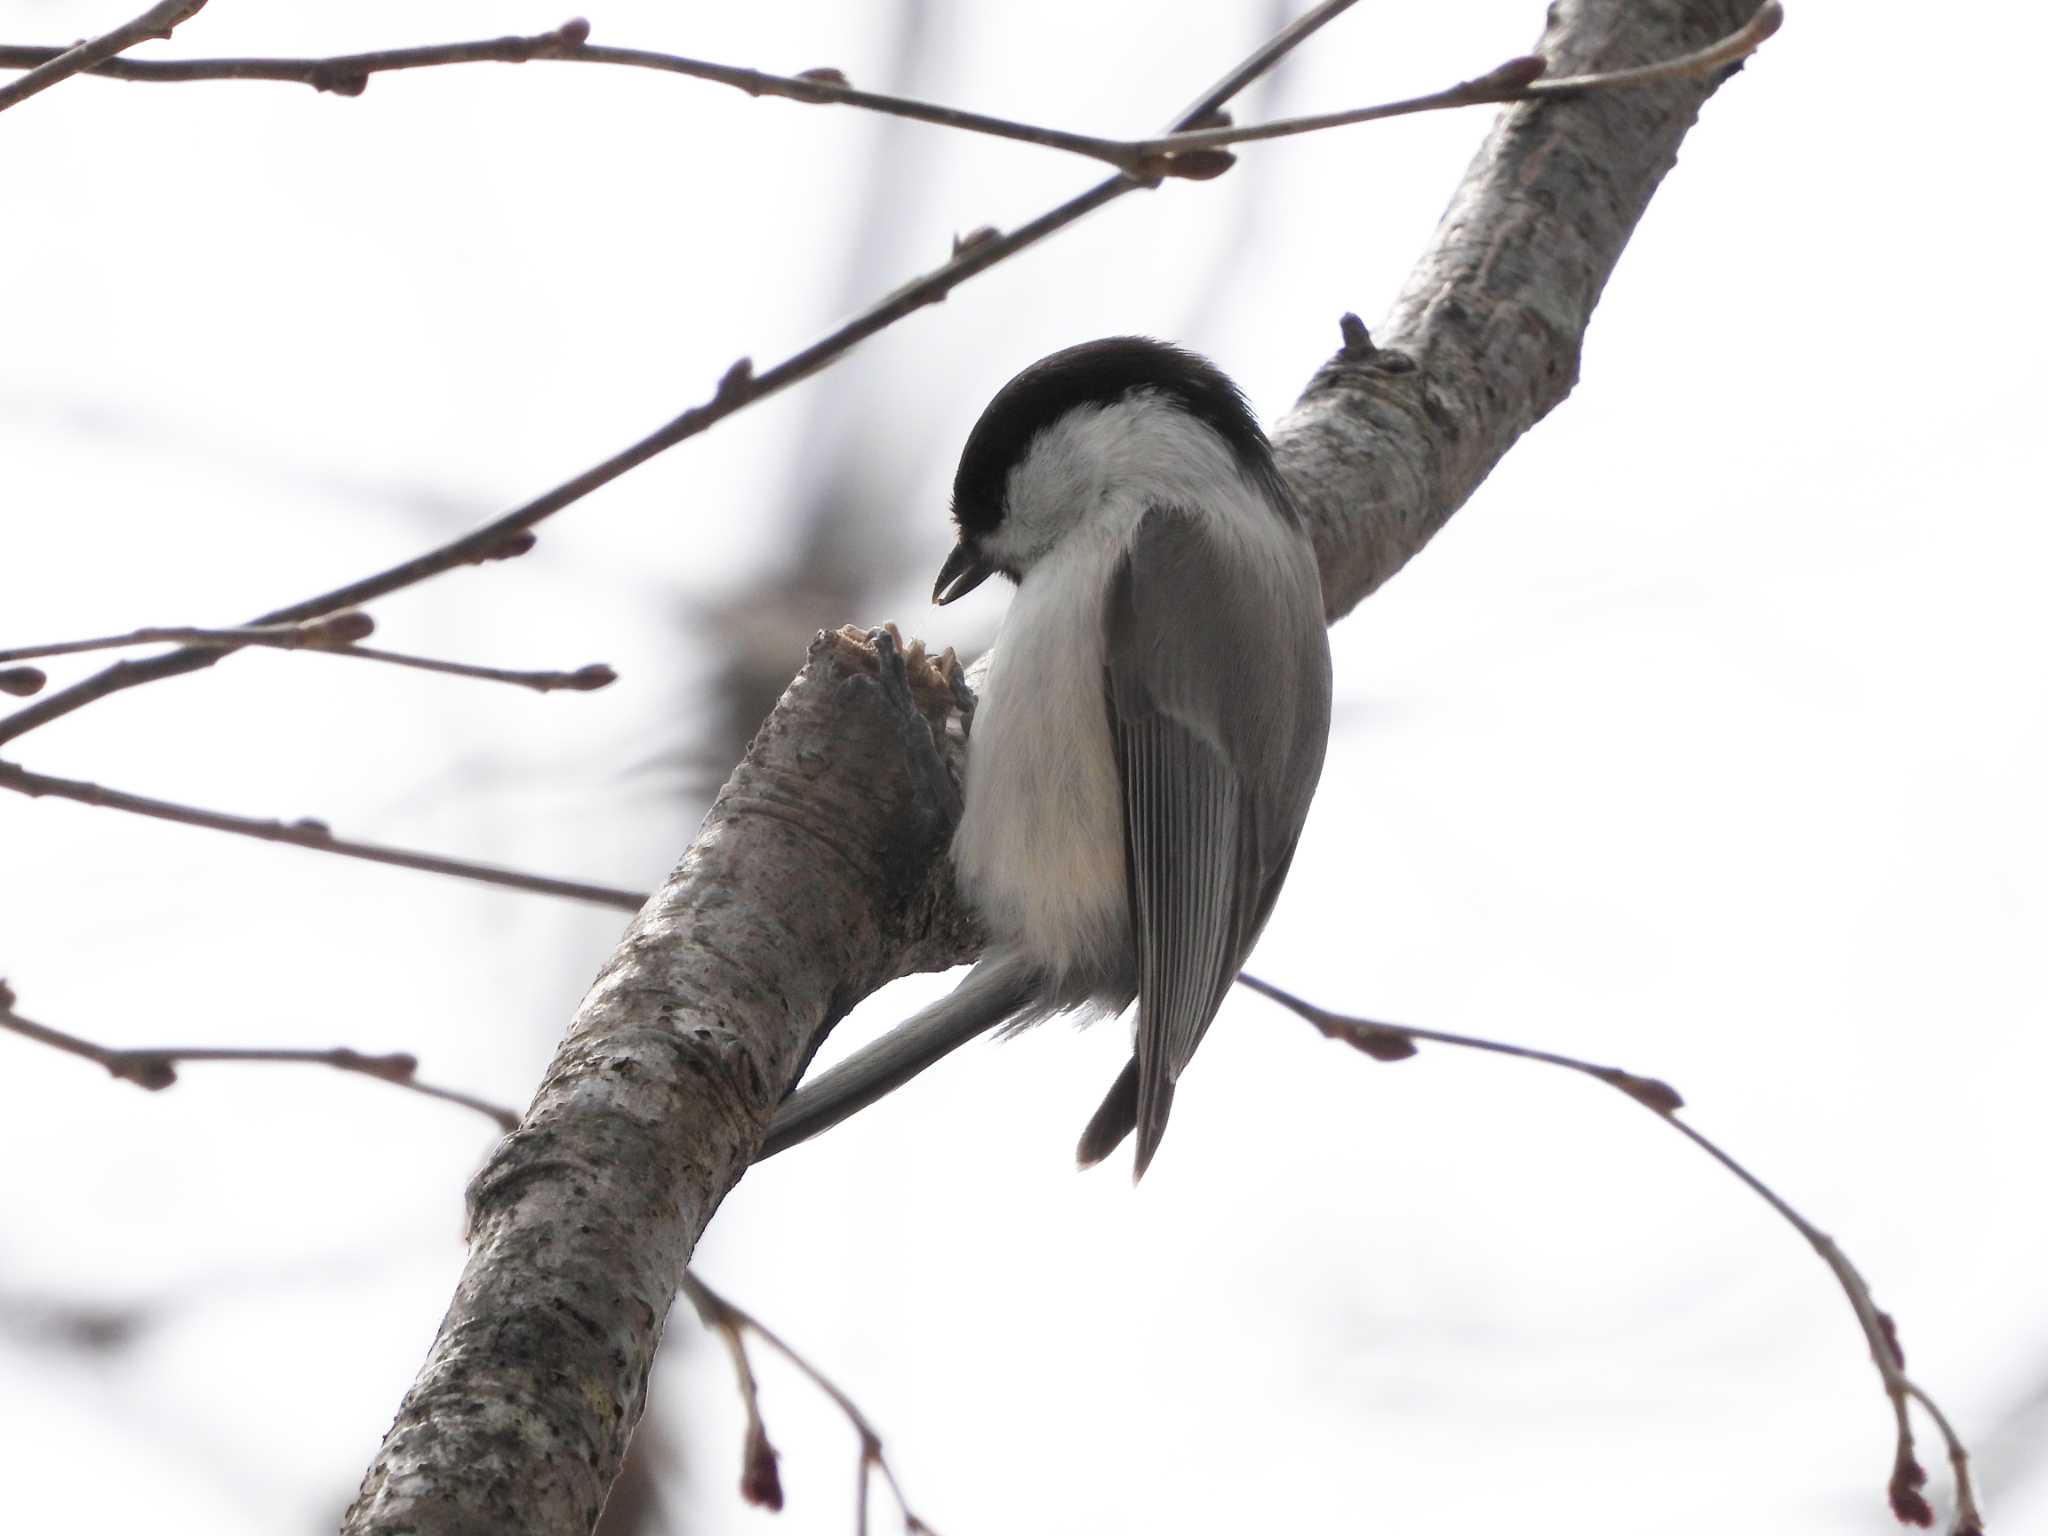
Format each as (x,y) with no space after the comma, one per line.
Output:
(1150,731)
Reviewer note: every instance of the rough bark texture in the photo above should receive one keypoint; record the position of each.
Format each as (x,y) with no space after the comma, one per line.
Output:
(817,874)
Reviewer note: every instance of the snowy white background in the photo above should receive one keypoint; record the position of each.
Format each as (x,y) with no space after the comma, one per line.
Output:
(1708,739)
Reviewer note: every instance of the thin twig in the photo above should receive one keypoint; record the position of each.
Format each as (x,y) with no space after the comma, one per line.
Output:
(335,634)
(740,387)
(308,832)
(1519,79)
(760,1482)
(63,63)
(1186,154)
(155,1067)
(349,75)
(325,633)
(1395,1042)
(586,679)
(732,1323)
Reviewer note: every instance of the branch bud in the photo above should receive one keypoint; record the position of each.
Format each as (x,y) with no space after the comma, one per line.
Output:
(334,629)
(760,1482)
(511,547)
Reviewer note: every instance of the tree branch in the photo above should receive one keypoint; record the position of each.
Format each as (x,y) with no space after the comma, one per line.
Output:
(349,75)
(327,633)
(1395,1042)
(759,1480)
(1190,154)
(155,1067)
(1519,79)
(309,832)
(62,64)
(337,634)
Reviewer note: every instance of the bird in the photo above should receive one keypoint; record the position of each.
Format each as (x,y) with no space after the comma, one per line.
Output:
(1150,731)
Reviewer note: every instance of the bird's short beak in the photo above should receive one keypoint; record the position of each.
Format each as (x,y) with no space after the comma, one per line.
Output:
(964,570)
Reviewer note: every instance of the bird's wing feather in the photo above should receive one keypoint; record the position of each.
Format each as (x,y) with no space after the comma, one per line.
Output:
(1203,743)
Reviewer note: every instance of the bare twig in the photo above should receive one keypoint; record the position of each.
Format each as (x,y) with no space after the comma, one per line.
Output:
(349,75)
(155,1067)
(336,634)
(740,387)
(1395,1042)
(1192,154)
(308,832)
(1519,79)
(63,63)
(732,1323)
(586,679)
(326,633)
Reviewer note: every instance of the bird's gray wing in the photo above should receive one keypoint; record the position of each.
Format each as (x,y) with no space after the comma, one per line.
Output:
(1216,678)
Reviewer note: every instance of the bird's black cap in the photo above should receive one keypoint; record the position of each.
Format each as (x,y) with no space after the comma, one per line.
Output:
(1095,373)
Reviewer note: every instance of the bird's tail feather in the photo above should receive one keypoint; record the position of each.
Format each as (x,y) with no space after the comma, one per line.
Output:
(1115,1120)
(990,993)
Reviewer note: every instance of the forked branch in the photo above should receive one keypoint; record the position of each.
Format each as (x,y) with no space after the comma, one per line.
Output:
(760,1483)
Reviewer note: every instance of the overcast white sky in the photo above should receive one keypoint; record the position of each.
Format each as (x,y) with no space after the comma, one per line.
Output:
(1709,739)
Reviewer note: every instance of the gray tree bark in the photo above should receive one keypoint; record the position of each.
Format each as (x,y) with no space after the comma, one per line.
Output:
(818,875)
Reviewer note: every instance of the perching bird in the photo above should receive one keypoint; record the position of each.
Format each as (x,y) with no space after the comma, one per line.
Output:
(1150,732)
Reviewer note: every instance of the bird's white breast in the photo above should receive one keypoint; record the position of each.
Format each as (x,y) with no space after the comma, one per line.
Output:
(1040,850)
